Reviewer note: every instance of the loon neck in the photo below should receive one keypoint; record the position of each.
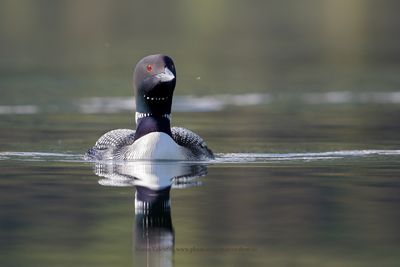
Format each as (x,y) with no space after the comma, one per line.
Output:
(149,123)
(140,115)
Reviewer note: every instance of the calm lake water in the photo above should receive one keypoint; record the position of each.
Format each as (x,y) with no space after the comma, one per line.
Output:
(305,186)
(300,101)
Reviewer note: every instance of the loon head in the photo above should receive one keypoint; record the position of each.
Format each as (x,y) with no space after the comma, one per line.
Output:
(154,80)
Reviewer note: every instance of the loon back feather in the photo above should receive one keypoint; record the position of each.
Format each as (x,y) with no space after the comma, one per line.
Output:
(115,139)
(111,144)
(191,141)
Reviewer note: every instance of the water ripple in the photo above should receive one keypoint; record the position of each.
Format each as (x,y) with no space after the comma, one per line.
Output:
(222,157)
(18,109)
(309,156)
(209,103)
(40,156)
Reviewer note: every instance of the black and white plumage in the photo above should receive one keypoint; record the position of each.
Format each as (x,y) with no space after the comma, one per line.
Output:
(153,139)
(119,144)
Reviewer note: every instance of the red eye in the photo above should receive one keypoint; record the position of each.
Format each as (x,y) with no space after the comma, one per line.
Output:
(149,68)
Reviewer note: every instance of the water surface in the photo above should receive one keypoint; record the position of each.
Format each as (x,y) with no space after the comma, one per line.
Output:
(292,183)
(339,208)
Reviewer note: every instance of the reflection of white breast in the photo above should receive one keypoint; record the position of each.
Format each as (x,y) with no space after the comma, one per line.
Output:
(155,175)
(155,146)
(158,175)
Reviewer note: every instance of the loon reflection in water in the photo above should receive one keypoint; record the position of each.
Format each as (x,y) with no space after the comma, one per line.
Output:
(154,233)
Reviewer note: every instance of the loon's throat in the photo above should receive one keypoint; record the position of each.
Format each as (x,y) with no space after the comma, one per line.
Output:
(147,123)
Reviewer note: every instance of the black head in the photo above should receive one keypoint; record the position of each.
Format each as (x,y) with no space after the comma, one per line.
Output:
(154,82)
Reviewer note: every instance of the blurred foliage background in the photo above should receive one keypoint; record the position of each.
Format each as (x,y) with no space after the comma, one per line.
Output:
(57,49)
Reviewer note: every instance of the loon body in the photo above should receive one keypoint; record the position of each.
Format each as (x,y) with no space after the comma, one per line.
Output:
(154,81)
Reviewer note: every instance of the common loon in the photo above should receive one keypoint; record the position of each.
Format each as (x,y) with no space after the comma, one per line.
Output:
(154,80)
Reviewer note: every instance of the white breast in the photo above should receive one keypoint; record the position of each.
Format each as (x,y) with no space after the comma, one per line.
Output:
(155,146)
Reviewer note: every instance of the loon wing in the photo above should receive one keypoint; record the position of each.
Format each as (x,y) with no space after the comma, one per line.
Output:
(109,144)
(194,143)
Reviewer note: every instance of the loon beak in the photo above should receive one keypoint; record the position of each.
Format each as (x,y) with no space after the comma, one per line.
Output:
(165,76)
